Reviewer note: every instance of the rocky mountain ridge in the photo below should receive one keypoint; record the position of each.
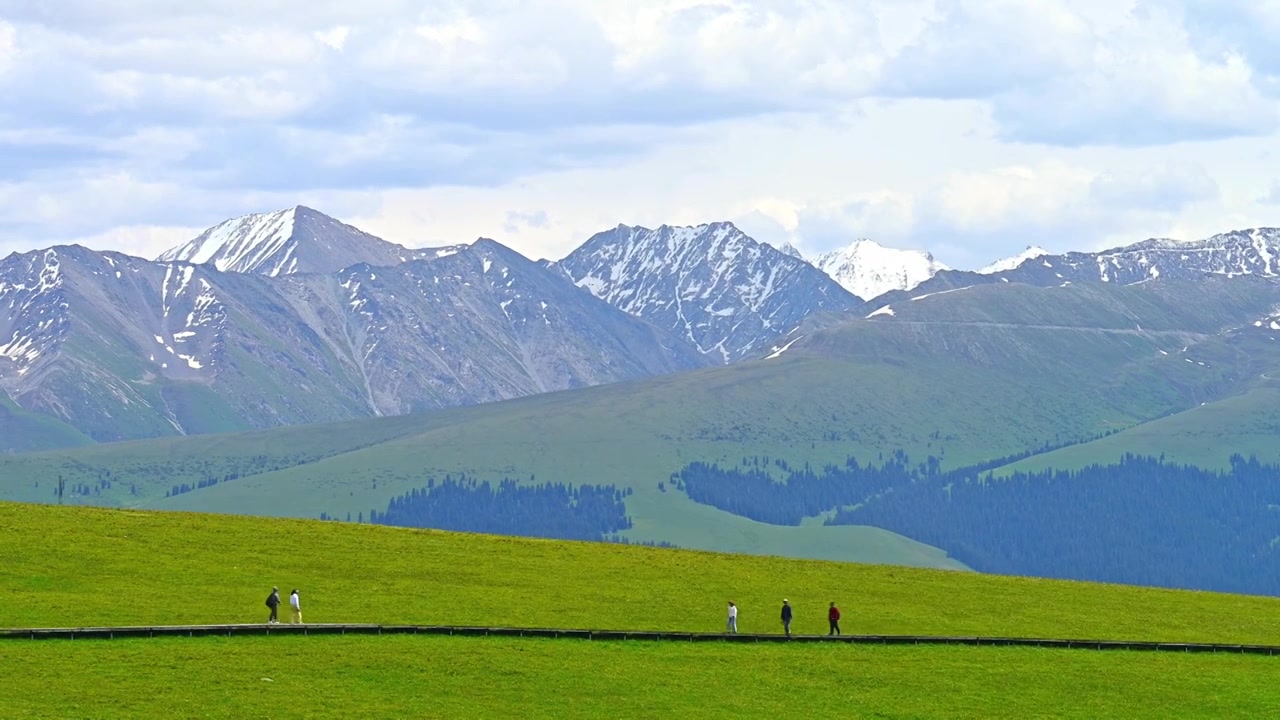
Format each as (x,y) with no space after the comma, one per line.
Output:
(119,347)
(712,284)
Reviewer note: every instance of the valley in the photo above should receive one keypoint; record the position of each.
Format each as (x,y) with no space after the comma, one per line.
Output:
(468,367)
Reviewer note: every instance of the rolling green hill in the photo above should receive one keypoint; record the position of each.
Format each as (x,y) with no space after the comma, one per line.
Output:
(1204,436)
(25,431)
(90,566)
(964,376)
(84,566)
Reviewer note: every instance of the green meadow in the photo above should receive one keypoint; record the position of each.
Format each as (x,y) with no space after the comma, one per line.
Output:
(439,677)
(68,566)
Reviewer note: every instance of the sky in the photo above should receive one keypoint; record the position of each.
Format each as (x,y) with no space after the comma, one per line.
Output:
(970,129)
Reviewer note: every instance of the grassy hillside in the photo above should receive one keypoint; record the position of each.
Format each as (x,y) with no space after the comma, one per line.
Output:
(22,431)
(84,566)
(89,566)
(1205,436)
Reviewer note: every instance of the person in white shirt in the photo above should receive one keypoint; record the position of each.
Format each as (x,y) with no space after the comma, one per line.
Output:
(733,618)
(297,607)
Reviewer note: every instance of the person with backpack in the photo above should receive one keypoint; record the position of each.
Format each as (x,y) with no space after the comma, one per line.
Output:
(273,602)
(733,618)
(786,617)
(296,604)
(833,617)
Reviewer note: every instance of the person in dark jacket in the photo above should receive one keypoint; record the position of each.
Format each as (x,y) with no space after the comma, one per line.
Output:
(273,602)
(833,617)
(786,617)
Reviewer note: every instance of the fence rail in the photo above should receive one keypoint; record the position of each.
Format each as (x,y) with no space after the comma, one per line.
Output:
(106,633)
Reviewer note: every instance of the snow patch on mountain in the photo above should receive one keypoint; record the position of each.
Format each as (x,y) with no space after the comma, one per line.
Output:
(191,301)
(34,320)
(259,242)
(778,350)
(1012,262)
(868,269)
(940,292)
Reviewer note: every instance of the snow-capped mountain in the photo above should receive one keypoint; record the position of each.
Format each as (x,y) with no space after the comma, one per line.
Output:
(1254,252)
(297,240)
(119,348)
(1240,252)
(722,290)
(868,269)
(1013,261)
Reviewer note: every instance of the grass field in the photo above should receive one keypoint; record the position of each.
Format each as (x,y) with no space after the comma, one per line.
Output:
(400,676)
(88,566)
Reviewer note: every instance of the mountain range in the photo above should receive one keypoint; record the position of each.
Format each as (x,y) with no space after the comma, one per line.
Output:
(1086,415)
(122,348)
(294,317)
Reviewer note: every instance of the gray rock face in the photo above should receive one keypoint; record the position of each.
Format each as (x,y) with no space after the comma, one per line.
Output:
(478,325)
(726,293)
(120,348)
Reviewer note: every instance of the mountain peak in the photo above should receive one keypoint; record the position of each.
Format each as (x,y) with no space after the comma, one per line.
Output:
(1013,261)
(299,239)
(711,283)
(868,269)
(787,248)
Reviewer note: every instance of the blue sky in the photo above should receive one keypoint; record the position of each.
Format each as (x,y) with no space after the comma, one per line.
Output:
(970,129)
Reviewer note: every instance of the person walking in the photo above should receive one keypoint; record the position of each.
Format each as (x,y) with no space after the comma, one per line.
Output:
(733,618)
(833,617)
(296,604)
(273,602)
(786,617)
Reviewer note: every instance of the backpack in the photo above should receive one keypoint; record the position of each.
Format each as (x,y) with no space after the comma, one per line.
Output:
(269,600)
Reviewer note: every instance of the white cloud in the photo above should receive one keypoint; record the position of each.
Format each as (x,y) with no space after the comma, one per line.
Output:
(967,218)
(1161,188)
(1147,99)
(982,48)
(8,46)
(1069,74)
(1272,196)
(1246,27)
(963,126)
(516,221)
(335,37)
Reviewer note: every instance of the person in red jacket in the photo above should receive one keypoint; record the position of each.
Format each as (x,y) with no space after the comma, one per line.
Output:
(833,617)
